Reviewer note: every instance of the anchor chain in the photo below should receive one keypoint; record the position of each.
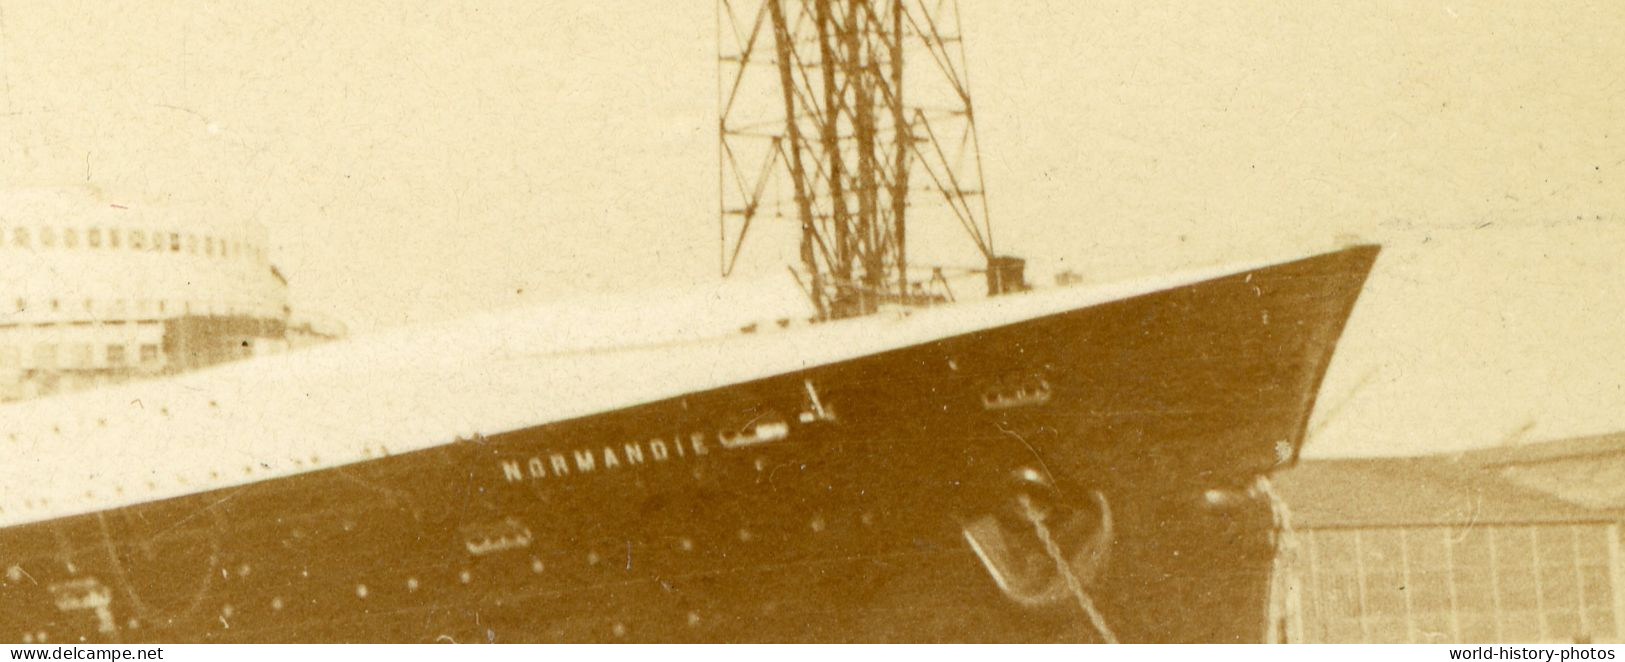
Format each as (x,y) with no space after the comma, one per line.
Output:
(1282,607)
(1073,584)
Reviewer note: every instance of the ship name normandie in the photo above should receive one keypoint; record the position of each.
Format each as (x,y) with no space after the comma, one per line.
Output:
(767,428)
(608,458)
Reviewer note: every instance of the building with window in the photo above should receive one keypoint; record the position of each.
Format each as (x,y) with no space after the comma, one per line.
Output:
(1467,548)
(94,291)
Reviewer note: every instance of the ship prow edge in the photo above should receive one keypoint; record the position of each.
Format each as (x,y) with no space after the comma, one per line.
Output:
(1171,408)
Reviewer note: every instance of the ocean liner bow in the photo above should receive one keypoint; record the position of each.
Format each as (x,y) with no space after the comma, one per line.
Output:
(1077,464)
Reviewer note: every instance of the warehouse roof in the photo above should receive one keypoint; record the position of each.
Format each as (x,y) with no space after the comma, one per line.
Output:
(1602,446)
(1586,471)
(1419,491)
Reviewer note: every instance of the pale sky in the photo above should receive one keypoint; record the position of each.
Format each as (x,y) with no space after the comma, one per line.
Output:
(424,161)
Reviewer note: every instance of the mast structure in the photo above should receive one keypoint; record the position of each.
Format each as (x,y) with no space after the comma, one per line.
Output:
(850,119)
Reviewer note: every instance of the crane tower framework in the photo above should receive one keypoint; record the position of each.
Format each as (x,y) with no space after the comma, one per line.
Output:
(849,124)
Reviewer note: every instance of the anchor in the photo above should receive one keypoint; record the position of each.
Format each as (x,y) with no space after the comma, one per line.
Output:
(1040,551)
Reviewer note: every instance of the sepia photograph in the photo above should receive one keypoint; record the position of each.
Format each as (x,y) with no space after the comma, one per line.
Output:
(812,322)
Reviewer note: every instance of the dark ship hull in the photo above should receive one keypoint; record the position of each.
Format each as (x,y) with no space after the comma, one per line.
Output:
(833,503)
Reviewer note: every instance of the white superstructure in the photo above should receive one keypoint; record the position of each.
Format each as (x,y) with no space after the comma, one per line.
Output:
(95,290)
